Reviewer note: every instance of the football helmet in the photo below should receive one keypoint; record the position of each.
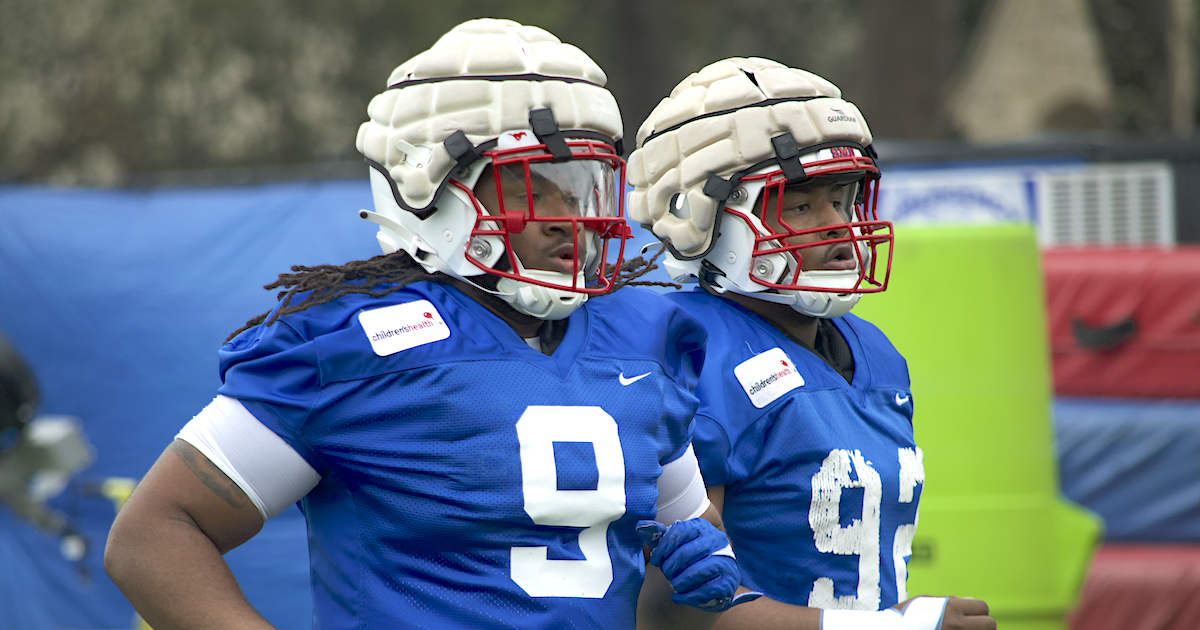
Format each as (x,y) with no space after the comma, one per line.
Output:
(501,138)
(759,179)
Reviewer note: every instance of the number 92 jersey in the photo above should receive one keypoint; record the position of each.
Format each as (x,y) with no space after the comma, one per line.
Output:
(467,480)
(822,477)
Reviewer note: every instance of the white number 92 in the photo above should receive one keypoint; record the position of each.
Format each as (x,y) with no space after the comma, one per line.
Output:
(860,537)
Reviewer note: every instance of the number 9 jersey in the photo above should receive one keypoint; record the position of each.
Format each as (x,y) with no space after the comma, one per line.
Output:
(822,477)
(462,479)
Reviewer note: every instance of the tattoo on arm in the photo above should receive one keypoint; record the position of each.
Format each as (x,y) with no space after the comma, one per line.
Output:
(211,476)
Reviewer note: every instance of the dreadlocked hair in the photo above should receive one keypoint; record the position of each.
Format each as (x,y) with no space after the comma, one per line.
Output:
(325,283)
(633,269)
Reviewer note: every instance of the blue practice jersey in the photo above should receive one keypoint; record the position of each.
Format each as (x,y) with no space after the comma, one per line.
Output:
(822,477)
(469,481)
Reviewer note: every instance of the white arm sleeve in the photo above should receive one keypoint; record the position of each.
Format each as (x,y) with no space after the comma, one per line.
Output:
(265,467)
(681,493)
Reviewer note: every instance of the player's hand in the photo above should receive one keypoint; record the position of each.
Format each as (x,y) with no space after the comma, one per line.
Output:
(697,559)
(965,613)
(957,613)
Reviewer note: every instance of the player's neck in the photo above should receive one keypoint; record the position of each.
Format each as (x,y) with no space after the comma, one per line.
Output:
(524,325)
(783,317)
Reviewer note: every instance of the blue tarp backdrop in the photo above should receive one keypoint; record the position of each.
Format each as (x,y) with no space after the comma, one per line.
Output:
(118,301)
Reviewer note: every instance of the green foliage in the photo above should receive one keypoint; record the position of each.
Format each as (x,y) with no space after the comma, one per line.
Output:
(93,91)
(98,91)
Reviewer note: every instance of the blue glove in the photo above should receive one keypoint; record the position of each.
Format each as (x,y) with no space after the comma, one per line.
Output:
(696,558)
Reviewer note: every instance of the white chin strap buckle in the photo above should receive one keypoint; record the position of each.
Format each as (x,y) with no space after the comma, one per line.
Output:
(538,301)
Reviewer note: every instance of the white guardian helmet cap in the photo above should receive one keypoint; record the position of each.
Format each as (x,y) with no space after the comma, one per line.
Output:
(497,101)
(717,163)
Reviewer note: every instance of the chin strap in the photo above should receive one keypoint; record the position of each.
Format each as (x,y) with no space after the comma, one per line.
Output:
(824,305)
(531,299)
(538,301)
(820,304)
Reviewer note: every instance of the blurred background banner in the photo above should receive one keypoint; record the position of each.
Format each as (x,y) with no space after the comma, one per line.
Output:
(160,161)
(960,195)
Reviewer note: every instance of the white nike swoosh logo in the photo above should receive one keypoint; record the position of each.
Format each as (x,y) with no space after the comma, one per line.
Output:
(900,401)
(632,380)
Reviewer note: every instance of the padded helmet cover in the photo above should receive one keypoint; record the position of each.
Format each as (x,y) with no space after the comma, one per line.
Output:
(482,78)
(720,121)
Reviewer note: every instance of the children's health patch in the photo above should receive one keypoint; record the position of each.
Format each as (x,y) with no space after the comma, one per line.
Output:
(768,376)
(395,328)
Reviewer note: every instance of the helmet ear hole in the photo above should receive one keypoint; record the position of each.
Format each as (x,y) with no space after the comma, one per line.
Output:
(680,207)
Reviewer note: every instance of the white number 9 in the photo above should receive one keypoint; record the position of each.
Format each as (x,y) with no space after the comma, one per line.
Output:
(537,431)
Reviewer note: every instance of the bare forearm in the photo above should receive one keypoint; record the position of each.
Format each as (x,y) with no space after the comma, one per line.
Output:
(768,614)
(656,611)
(176,579)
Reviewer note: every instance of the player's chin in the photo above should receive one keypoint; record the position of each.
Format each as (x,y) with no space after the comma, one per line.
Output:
(555,263)
(840,265)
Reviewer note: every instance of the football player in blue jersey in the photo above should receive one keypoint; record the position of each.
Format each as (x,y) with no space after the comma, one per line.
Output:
(470,447)
(761,183)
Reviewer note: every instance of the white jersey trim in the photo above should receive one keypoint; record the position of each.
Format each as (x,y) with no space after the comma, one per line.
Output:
(271,473)
(681,492)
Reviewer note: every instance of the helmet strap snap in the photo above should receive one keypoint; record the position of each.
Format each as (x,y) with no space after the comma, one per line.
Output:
(461,150)
(788,155)
(545,127)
